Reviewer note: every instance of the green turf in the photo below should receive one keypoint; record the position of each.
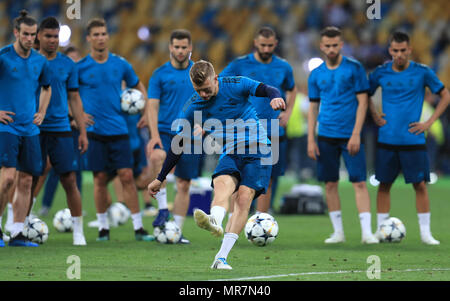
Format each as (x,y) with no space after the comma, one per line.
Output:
(299,249)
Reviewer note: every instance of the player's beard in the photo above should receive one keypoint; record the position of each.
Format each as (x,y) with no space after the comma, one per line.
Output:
(24,48)
(265,56)
(333,59)
(182,61)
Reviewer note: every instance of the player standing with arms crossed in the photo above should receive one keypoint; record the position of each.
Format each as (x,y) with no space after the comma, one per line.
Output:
(22,71)
(401,139)
(100,77)
(168,90)
(242,168)
(339,87)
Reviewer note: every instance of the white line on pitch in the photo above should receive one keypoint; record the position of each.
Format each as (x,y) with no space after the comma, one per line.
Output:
(325,273)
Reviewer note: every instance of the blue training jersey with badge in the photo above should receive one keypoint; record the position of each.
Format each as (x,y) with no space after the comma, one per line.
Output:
(336,91)
(100,89)
(229,116)
(20,78)
(173,88)
(64,79)
(278,73)
(402,100)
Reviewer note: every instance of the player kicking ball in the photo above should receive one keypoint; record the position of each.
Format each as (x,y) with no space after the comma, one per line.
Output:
(241,168)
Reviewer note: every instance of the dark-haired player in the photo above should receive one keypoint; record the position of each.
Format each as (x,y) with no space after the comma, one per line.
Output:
(56,135)
(100,76)
(264,66)
(401,138)
(244,167)
(22,72)
(168,89)
(339,87)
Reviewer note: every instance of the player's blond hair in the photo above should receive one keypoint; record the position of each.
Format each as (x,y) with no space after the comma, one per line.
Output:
(201,71)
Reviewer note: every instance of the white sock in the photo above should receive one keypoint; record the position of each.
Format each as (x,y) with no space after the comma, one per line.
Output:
(336,221)
(179,220)
(32,204)
(366,225)
(10,215)
(424,223)
(137,221)
(77,224)
(218,213)
(16,229)
(161,197)
(380,218)
(1,217)
(227,244)
(103,221)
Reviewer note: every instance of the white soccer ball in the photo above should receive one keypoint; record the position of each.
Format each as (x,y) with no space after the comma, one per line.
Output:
(63,221)
(392,230)
(132,101)
(36,230)
(261,229)
(118,214)
(170,234)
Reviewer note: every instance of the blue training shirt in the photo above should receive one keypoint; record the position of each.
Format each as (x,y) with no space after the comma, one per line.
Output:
(278,73)
(336,90)
(20,78)
(64,79)
(100,88)
(402,100)
(229,116)
(173,88)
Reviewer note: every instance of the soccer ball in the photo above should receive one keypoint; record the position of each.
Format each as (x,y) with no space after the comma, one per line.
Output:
(392,230)
(132,101)
(36,230)
(261,229)
(118,214)
(63,221)
(170,234)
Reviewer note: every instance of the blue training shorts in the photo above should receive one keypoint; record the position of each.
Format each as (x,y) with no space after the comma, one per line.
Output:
(328,162)
(21,152)
(248,170)
(108,153)
(59,147)
(413,163)
(279,168)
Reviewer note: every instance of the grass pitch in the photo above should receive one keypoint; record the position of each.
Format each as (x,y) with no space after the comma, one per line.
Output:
(297,254)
